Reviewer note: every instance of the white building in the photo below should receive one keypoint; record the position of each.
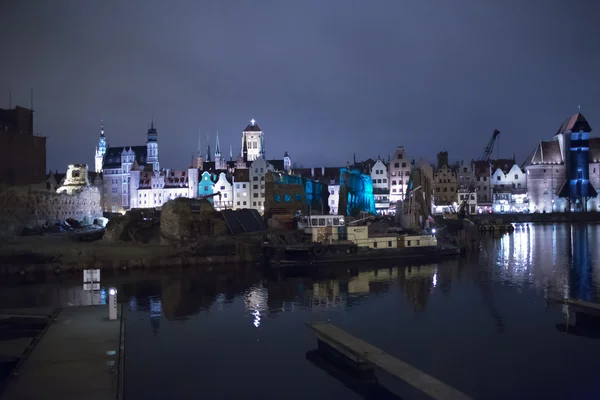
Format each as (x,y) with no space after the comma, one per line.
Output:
(100,149)
(381,186)
(225,189)
(252,141)
(399,174)
(509,188)
(471,206)
(150,189)
(241,188)
(258,169)
(117,164)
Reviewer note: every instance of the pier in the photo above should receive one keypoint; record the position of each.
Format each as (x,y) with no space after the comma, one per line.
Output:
(77,355)
(363,354)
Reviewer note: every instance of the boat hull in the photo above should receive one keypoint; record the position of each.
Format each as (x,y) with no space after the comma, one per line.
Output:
(297,255)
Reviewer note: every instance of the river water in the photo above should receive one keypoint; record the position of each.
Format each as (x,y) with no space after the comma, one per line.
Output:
(487,324)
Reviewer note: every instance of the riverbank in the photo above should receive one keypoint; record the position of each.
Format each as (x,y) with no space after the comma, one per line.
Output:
(574,217)
(58,253)
(77,356)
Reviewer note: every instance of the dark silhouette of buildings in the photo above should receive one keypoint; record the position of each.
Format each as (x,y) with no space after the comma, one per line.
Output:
(22,154)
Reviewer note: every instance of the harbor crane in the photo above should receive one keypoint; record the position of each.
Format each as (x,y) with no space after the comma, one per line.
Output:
(463,209)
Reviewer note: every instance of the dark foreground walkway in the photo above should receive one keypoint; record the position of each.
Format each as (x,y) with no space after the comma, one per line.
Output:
(76,358)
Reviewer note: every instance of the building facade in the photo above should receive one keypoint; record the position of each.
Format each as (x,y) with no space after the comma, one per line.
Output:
(509,187)
(563,174)
(445,186)
(381,186)
(399,174)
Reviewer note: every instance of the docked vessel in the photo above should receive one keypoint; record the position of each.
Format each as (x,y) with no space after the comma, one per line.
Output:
(323,239)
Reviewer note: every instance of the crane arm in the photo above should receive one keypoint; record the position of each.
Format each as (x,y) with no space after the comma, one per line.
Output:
(490,146)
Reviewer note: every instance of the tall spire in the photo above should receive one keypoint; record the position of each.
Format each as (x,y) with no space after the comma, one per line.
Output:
(218,148)
(230,153)
(245,149)
(199,143)
(262,147)
(207,146)
(102,127)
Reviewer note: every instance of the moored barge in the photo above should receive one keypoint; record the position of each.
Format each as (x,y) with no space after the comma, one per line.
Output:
(327,239)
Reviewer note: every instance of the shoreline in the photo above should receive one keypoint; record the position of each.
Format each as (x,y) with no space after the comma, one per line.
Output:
(57,254)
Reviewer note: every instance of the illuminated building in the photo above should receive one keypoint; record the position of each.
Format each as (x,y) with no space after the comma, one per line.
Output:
(563,173)
(356,192)
(509,187)
(399,168)
(381,186)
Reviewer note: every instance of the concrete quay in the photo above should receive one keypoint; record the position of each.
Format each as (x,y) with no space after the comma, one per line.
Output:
(78,356)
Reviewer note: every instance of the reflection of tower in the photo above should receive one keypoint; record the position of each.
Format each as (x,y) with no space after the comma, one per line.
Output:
(155,313)
(100,149)
(256,299)
(581,264)
(418,282)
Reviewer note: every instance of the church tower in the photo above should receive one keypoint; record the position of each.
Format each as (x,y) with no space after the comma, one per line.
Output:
(100,149)
(152,148)
(220,162)
(252,138)
(207,147)
(199,158)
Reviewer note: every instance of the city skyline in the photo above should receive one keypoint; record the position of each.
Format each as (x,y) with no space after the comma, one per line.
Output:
(321,85)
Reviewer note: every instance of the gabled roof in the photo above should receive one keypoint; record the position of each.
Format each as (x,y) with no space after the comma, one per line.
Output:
(575,123)
(546,153)
(112,157)
(252,128)
(505,164)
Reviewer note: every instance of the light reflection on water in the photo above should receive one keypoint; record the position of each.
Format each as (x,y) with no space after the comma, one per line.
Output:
(492,311)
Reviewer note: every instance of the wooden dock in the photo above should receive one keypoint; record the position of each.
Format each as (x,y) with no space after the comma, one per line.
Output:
(361,352)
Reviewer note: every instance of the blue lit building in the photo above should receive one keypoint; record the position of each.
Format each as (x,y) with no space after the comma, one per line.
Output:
(356,192)
(206,186)
(575,145)
(563,174)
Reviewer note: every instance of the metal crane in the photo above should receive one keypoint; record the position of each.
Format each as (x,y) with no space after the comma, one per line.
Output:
(463,208)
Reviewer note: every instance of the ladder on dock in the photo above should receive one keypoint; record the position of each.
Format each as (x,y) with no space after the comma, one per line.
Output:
(360,352)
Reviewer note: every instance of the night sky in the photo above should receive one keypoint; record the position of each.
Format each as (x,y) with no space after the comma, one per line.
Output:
(322,78)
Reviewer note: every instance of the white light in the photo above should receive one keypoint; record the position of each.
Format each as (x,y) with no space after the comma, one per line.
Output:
(433,231)
(252,121)
(112,291)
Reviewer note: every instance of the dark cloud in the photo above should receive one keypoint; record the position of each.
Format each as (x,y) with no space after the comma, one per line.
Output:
(324,79)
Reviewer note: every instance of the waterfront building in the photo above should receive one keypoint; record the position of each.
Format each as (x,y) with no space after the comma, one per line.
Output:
(471,206)
(563,174)
(445,185)
(241,188)
(329,176)
(356,192)
(464,172)
(509,187)
(399,174)
(223,186)
(381,186)
(258,169)
(482,172)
